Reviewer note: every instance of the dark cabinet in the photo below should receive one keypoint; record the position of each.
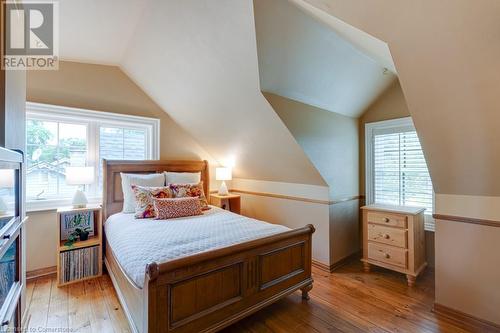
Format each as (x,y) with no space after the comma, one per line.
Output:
(11,222)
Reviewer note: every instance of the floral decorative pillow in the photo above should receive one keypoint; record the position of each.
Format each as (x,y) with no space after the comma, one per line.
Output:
(144,198)
(190,190)
(176,207)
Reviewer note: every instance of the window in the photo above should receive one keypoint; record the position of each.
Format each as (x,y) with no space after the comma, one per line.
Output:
(59,137)
(51,146)
(397,173)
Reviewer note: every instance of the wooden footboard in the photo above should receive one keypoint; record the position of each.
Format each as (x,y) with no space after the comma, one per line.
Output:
(211,290)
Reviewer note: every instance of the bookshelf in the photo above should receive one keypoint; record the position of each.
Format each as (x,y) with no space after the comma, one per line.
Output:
(83,259)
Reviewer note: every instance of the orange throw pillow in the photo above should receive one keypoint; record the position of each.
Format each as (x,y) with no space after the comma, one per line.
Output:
(176,207)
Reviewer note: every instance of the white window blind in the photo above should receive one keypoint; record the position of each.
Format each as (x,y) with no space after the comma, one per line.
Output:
(396,168)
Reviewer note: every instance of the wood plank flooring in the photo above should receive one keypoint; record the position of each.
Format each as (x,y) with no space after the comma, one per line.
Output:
(347,300)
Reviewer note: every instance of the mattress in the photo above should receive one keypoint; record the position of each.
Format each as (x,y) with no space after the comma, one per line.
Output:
(138,242)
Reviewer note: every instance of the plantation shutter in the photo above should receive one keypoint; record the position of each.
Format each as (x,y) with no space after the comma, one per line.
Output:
(400,172)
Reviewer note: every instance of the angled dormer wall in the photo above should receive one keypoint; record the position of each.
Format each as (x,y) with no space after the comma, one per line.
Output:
(447,57)
(304,59)
(197,61)
(319,77)
(330,140)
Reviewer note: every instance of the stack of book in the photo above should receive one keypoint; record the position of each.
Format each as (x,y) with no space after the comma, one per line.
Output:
(79,263)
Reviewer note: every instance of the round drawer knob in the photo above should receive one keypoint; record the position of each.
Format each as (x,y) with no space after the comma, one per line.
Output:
(386,219)
(386,236)
(387,255)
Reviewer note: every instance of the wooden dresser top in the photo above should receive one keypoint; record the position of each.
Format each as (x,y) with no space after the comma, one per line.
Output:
(394,209)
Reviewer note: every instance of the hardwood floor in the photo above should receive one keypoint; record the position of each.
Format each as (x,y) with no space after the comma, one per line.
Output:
(347,300)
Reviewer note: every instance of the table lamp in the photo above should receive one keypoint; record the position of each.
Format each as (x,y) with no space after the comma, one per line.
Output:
(223,174)
(80,176)
(6,181)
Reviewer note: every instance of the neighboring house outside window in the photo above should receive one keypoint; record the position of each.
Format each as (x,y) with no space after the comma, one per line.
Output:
(396,170)
(58,137)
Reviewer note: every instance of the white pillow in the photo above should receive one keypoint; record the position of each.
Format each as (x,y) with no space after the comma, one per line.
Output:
(129,179)
(183,177)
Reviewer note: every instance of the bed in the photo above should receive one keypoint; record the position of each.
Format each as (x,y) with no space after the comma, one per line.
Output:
(197,274)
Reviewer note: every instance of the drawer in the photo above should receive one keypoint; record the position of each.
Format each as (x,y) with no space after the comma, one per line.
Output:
(387,254)
(392,220)
(387,235)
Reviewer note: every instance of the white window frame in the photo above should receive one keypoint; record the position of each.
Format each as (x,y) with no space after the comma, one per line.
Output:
(380,126)
(93,120)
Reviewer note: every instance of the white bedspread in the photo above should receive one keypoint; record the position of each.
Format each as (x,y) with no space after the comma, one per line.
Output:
(137,242)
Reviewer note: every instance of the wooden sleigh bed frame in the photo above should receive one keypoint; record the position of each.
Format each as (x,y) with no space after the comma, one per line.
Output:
(208,291)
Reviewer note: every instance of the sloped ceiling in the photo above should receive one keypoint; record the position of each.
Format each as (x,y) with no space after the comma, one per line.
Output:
(447,56)
(313,58)
(375,48)
(198,60)
(96,30)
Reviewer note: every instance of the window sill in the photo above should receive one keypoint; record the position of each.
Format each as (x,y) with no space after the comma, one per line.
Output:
(53,204)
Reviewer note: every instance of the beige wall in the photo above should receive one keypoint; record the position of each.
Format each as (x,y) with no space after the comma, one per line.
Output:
(15,99)
(107,88)
(467,269)
(390,105)
(203,70)
(445,56)
(344,230)
(288,212)
(41,235)
(101,88)
(291,213)
(330,140)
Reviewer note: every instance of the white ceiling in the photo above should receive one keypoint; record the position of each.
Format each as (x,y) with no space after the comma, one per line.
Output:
(305,59)
(98,31)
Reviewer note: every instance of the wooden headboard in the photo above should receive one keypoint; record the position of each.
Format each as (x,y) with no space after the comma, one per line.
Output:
(112,181)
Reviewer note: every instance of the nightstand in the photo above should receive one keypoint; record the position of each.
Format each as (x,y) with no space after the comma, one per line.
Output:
(81,260)
(394,238)
(231,202)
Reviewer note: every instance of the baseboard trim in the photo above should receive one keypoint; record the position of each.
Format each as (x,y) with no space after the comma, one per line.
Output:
(346,260)
(330,268)
(36,273)
(481,324)
(321,266)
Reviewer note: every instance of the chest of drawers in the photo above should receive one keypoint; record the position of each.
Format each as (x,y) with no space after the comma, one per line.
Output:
(394,238)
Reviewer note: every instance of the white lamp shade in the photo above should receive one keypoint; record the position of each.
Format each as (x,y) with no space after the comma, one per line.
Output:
(79,175)
(7,178)
(223,174)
